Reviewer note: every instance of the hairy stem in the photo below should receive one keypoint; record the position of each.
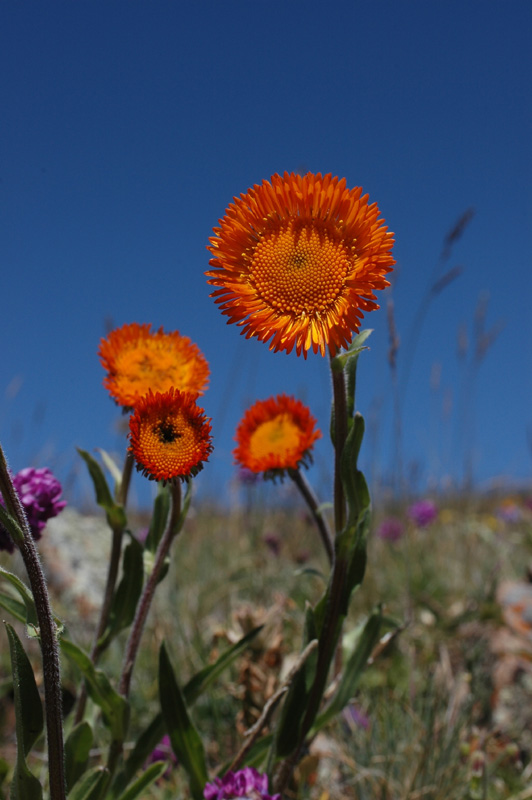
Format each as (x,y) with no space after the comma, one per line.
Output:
(312,502)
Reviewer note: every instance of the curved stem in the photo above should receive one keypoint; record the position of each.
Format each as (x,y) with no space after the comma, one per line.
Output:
(312,502)
(53,700)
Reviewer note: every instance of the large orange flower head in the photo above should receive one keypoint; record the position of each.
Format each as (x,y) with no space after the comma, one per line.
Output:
(275,435)
(169,435)
(138,359)
(298,260)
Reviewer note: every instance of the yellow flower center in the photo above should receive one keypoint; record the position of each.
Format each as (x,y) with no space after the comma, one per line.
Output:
(152,365)
(300,266)
(280,436)
(169,445)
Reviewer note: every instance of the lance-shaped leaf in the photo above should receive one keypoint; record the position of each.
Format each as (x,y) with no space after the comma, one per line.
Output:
(295,705)
(144,746)
(128,592)
(115,709)
(149,776)
(77,749)
(90,785)
(354,666)
(15,608)
(29,719)
(186,742)
(161,510)
(26,595)
(339,362)
(115,513)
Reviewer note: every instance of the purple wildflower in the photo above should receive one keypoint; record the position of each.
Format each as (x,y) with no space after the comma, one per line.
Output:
(355,717)
(246,784)
(273,543)
(246,477)
(423,513)
(509,512)
(390,529)
(163,752)
(39,492)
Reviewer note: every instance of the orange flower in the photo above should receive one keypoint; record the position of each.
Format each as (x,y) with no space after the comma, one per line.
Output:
(275,434)
(137,359)
(169,435)
(298,260)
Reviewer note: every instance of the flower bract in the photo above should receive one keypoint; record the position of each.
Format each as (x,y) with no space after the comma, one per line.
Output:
(297,260)
(169,435)
(137,359)
(275,434)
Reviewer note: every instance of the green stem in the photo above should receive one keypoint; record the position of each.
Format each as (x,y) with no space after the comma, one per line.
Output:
(312,502)
(112,575)
(47,637)
(340,435)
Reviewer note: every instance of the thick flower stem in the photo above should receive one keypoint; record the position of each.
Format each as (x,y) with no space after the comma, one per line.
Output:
(340,435)
(112,575)
(311,501)
(47,637)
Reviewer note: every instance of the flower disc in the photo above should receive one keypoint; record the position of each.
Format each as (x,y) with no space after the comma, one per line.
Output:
(298,261)
(137,359)
(275,434)
(169,435)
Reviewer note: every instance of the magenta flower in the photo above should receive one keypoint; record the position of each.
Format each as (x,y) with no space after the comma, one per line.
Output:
(39,492)
(246,784)
(164,752)
(423,513)
(390,529)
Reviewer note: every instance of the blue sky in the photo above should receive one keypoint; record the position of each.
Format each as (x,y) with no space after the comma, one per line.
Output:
(127,127)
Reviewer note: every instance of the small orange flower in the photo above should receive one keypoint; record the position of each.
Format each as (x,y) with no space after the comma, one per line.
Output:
(137,359)
(298,260)
(275,434)
(169,435)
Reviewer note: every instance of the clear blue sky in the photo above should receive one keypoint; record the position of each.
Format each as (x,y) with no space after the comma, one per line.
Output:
(126,129)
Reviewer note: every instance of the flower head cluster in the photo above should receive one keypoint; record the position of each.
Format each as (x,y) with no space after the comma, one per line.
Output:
(169,435)
(137,359)
(244,784)
(39,492)
(297,260)
(423,513)
(275,434)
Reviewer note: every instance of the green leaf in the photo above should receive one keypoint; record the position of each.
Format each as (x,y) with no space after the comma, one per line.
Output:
(90,785)
(128,592)
(26,595)
(11,525)
(199,682)
(112,467)
(77,749)
(115,709)
(339,362)
(184,737)
(296,701)
(354,666)
(16,609)
(148,777)
(115,513)
(29,719)
(161,510)
(144,746)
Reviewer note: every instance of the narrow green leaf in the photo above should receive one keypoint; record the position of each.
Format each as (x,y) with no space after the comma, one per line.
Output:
(295,704)
(11,525)
(104,497)
(184,737)
(77,749)
(90,785)
(28,706)
(148,777)
(114,708)
(29,720)
(112,467)
(16,609)
(144,746)
(26,595)
(199,682)
(128,591)
(161,510)
(355,665)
